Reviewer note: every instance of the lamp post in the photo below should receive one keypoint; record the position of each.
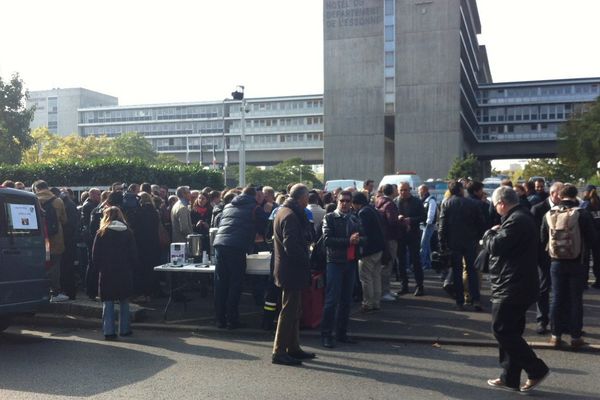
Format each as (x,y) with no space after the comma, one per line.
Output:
(224,147)
(239,95)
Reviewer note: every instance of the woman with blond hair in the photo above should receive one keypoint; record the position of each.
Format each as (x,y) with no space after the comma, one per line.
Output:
(114,256)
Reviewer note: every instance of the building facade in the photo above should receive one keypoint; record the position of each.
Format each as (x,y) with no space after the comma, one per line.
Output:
(276,128)
(57,108)
(408,87)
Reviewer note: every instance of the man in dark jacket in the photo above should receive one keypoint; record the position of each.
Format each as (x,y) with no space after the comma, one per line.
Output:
(411,214)
(292,274)
(567,271)
(460,228)
(369,264)
(543,303)
(233,241)
(392,229)
(341,237)
(513,256)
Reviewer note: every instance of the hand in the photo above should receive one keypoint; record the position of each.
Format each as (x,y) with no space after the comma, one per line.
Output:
(354,238)
(495,227)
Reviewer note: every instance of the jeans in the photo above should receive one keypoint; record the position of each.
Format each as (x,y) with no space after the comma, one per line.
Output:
(229,278)
(338,298)
(53,273)
(515,355)
(386,270)
(566,308)
(426,246)
(457,255)
(409,248)
(108,317)
(543,303)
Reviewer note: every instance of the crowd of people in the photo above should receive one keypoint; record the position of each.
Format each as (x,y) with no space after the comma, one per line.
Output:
(536,245)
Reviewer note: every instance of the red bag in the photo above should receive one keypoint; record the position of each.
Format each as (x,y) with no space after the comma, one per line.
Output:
(313,300)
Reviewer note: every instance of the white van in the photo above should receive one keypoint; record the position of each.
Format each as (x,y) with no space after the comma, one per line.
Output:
(411,177)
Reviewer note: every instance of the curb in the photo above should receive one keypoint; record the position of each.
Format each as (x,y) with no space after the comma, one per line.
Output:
(69,321)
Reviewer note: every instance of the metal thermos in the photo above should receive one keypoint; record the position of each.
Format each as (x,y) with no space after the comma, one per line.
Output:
(194,246)
(212,232)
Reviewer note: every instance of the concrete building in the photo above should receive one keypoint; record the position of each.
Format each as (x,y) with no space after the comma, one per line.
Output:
(277,128)
(57,108)
(408,87)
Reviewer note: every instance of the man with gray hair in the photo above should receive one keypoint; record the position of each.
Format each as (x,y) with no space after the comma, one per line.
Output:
(513,248)
(292,274)
(181,221)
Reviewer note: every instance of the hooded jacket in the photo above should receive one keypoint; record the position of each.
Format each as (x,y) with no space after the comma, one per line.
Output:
(114,256)
(237,224)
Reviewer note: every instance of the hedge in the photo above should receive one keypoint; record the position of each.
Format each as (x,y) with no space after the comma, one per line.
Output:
(106,171)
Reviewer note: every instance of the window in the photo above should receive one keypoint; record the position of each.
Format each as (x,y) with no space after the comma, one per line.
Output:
(389,34)
(389,58)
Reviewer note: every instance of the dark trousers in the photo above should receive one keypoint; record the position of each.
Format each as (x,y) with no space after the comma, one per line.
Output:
(410,245)
(67,268)
(468,254)
(229,278)
(287,336)
(566,308)
(543,303)
(508,324)
(338,298)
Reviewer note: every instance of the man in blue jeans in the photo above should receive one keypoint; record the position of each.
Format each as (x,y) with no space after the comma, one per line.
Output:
(430,206)
(341,236)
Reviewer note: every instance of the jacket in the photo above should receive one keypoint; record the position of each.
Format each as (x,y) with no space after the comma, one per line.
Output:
(237,224)
(337,229)
(389,211)
(146,238)
(412,208)
(181,222)
(114,256)
(461,223)
(57,241)
(586,227)
(372,228)
(291,268)
(513,258)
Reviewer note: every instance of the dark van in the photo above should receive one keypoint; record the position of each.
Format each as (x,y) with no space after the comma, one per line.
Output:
(23,254)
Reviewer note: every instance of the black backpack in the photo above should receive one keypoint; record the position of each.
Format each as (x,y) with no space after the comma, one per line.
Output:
(50,217)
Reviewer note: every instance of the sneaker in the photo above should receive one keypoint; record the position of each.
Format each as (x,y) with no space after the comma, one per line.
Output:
(499,384)
(531,384)
(419,291)
(555,341)
(404,290)
(59,298)
(388,297)
(577,343)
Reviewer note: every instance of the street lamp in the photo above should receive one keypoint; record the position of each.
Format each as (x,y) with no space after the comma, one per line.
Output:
(239,95)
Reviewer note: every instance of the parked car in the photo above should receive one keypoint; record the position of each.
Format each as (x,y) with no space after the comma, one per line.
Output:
(331,185)
(404,176)
(24,252)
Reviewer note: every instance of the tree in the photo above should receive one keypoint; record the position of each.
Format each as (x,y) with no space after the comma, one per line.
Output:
(279,176)
(14,120)
(549,168)
(579,142)
(464,168)
(132,145)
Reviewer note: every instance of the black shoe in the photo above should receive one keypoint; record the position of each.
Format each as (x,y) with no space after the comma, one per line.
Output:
(221,325)
(541,329)
(235,325)
(459,307)
(346,339)
(404,290)
(328,341)
(302,355)
(419,291)
(449,289)
(285,359)
(126,334)
(110,337)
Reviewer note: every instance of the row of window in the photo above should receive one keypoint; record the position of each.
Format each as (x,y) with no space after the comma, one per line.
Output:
(521,128)
(525,113)
(534,93)
(217,142)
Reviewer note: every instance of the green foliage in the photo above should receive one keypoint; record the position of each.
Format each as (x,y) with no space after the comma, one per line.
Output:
(464,168)
(549,168)
(279,176)
(579,142)
(14,120)
(106,171)
(132,145)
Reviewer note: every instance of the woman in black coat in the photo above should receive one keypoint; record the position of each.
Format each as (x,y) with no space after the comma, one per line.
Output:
(114,256)
(148,245)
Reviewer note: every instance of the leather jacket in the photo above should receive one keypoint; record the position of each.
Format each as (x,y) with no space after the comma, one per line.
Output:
(337,229)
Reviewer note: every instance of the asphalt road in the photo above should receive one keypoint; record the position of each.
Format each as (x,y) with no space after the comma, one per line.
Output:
(56,364)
